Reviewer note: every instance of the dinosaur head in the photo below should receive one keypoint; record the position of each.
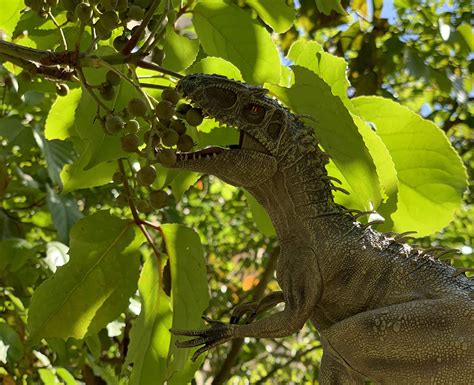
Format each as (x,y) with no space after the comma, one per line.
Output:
(261,120)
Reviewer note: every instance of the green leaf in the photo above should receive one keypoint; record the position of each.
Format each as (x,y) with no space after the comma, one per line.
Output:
(260,216)
(466,31)
(327,6)
(150,337)
(276,13)
(64,211)
(189,294)
(10,15)
(227,31)
(215,65)
(48,377)
(330,68)
(94,287)
(385,170)
(182,182)
(431,175)
(75,176)
(61,116)
(14,253)
(11,347)
(66,376)
(57,153)
(180,51)
(337,133)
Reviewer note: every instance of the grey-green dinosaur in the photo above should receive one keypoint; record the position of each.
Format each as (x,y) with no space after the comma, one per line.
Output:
(386,312)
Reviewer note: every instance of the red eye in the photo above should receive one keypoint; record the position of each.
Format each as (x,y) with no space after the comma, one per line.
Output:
(256,109)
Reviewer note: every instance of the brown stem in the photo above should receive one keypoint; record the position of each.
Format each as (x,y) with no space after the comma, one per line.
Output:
(139,31)
(224,372)
(156,67)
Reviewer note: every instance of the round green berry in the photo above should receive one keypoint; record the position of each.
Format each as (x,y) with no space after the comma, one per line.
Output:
(130,142)
(109,20)
(159,199)
(122,5)
(171,95)
(143,206)
(137,107)
(108,5)
(178,126)
(167,157)
(164,110)
(120,42)
(185,143)
(170,138)
(132,126)
(181,109)
(62,89)
(146,175)
(113,124)
(136,13)
(83,12)
(194,117)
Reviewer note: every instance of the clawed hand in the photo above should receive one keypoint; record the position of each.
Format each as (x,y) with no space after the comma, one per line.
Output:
(217,334)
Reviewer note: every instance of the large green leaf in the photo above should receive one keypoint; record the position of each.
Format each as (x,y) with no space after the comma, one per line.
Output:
(189,295)
(431,175)
(11,13)
(336,132)
(76,176)
(61,116)
(276,13)
(227,31)
(330,68)
(180,51)
(94,287)
(150,336)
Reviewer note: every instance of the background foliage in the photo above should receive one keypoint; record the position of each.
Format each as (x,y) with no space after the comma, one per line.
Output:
(363,70)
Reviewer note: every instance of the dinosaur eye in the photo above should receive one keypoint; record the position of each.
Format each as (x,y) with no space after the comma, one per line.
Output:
(254,113)
(221,97)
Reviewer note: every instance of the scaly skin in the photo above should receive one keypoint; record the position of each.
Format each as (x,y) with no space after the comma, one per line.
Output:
(386,312)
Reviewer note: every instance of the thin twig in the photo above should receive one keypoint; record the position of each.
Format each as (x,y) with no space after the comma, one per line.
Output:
(138,32)
(63,38)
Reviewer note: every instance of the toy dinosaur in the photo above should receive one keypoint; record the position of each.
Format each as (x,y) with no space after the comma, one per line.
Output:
(386,312)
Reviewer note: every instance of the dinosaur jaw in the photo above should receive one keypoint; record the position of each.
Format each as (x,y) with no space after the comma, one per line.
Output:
(245,164)
(246,142)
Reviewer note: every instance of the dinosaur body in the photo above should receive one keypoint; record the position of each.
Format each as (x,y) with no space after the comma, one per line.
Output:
(386,312)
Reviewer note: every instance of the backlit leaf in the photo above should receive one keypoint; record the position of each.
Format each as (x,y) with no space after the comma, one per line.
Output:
(150,336)
(94,287)
(10,15)
(276,13)
(431,175)
(189,293)
(251,49)
(180,51)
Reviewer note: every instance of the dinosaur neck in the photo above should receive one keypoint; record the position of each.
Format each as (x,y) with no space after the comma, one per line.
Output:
(297,194)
